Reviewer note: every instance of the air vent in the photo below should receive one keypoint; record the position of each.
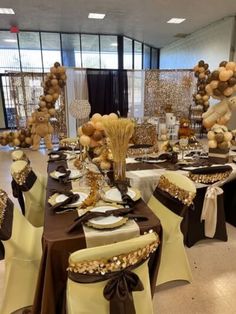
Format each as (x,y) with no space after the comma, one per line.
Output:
(181,35)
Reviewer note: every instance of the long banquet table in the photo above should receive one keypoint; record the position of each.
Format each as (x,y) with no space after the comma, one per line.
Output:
(57,246)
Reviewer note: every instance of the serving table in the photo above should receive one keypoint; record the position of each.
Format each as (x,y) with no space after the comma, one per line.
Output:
(58,245)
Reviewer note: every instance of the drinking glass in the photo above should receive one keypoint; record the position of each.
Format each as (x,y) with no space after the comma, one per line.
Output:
(183,143)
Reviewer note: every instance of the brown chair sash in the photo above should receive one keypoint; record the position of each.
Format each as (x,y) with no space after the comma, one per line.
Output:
(6,225)
(118,289)
(170,202)
(120,212)
(17,189)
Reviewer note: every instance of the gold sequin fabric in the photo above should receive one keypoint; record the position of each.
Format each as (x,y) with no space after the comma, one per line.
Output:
(209,178)
(115,263)
(21,176)
(3,205)
(182,195)
(145,134)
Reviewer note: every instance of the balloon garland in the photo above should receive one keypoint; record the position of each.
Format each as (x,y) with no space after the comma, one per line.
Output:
(52,87)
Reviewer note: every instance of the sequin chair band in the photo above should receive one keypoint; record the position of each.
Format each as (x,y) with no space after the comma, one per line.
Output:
(184,196)
(21,184)
(209,175)
(118,271)
(6,219)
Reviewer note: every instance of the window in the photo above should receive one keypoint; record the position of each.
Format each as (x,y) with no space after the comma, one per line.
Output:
(137,55)
(71,51)
(30,52)
(51,49)
(128,53)
(90,51)
(9,54)
(154,58)
(109,54)
(146,57)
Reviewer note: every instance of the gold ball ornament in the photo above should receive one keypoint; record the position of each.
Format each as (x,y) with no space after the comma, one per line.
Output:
(54,82)
(230,65)
(97,135)
(225,75)
(52,112)
(53,70)
(212,144)
(28,140)
(55,96)
(48,98)
(214,84)
(228,91)
(99,126)
(93,143)
(219,137)
(88,129)
(16,142)
(211,135)
(223,145)
(96,117)
(228,136)
(42,104)
(84,140)
(80,132)
(113,116)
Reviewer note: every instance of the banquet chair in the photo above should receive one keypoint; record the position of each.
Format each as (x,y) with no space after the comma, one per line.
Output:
(30,191)
(19,155)
(22,245)
(97,274)
(172,197)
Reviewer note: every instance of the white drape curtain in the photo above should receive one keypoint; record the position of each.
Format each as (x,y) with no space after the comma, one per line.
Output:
(136,81)
(76,88)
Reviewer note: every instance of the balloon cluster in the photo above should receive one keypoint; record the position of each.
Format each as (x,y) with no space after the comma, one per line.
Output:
(91,134)
(21,138)
(52,86)
(219,137)
(201,98)
(222,82)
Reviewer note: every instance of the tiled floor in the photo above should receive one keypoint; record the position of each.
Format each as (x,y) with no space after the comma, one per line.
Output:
(213,265)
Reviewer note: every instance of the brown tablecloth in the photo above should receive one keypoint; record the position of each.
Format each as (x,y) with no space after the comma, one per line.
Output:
(58,245)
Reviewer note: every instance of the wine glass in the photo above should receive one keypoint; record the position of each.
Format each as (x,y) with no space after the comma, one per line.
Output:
(72,145)
(183,143)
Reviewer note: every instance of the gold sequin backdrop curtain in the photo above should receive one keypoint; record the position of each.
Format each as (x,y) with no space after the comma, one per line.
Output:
(168,90)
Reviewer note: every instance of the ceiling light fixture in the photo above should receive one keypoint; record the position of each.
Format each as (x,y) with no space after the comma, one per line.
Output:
(98,16)
(6,11)
(176,20)
(10,40)
(114,44)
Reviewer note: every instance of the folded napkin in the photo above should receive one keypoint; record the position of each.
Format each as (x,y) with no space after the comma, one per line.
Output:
(120,212)
(65,174)
(72,198)
(212,170)
(122,186)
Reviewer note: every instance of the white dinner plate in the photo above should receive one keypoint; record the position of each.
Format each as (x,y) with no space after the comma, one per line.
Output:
(104,221)
(74,174)
(62,197)
(157,161)
(114,195)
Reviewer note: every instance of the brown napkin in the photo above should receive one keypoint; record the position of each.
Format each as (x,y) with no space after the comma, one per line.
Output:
(65,174)
(72,198)
(120,212)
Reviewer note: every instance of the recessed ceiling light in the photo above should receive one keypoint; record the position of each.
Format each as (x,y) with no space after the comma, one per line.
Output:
(10,40)
(6,11)
(175,20)
(114,44)
(98,16)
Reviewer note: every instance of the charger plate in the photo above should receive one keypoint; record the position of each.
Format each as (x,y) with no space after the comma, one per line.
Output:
(109,222)
(75,174)
(58,198)
(113,195)
(68,155)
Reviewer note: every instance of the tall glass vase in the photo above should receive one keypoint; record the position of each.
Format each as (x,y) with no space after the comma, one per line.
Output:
(119,168)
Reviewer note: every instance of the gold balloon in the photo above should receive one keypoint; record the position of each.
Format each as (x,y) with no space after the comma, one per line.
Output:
(84,140)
